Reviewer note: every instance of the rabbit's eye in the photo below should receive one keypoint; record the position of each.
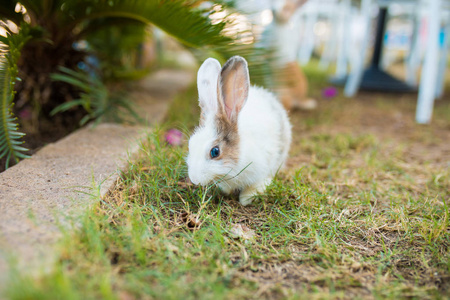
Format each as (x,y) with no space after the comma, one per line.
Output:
(215,152)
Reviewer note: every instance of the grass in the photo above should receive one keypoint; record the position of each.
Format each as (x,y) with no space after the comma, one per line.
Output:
(361,212)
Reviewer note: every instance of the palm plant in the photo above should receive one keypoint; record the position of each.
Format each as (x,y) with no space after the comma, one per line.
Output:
(58,24)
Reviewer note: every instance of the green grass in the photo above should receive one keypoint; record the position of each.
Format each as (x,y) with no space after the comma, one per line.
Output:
(355,215)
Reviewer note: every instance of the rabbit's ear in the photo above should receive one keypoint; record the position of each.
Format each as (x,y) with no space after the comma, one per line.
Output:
(207,77)
(234,83)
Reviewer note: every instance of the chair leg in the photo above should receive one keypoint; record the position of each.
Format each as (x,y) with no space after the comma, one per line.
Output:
(427,89)
(343,37)
(305,52)
(443,62)
(413,60)
(355,76)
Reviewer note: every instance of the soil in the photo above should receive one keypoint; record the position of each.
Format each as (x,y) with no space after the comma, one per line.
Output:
(388,117)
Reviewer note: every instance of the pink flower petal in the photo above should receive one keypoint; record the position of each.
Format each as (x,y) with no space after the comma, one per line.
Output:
(174,137)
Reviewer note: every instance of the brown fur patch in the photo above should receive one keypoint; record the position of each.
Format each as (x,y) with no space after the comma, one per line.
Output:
(228,138)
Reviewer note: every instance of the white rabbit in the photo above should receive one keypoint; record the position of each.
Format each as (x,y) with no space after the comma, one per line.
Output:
(244,134)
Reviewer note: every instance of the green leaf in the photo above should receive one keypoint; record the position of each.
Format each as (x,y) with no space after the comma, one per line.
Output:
(9,134)
(66,106)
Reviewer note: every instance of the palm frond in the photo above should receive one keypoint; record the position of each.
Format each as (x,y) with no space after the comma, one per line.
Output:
(10,137)
(178,18)
(188,23)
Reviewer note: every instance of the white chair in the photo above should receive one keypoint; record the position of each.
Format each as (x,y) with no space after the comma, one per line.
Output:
(354,78)
(337,49)
(434,63)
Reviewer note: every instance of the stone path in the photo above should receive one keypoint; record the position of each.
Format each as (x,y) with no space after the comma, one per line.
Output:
(43,192)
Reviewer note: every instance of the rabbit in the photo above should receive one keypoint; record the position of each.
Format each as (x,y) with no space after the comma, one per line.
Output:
(244,134)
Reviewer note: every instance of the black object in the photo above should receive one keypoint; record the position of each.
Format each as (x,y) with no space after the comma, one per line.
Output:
(374,78)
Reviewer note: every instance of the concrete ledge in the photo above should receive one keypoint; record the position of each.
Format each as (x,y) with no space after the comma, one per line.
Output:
(40,192)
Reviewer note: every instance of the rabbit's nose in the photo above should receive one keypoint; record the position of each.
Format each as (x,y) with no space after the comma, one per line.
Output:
(194,179)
